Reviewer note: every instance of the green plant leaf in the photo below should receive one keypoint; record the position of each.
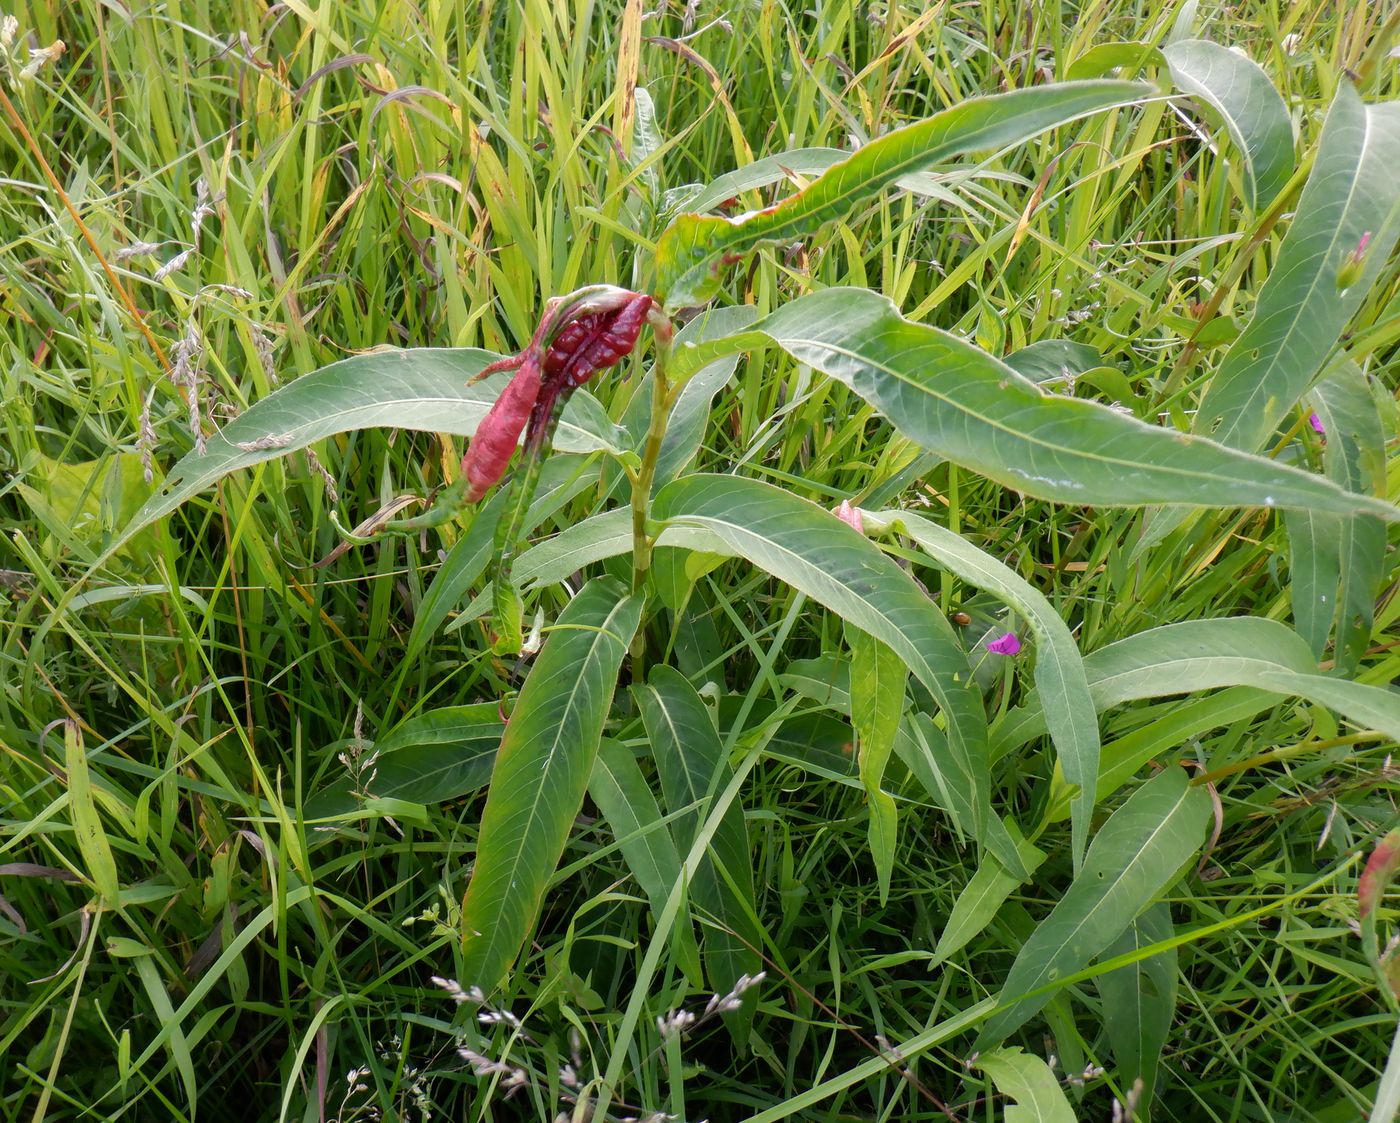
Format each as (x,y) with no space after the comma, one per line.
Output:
(693,768)
(962,403)
(1302,309)
(623,795)
(877,681)
(1139,1000)
(764,173)
(91,835)
(1059,671)
(814,162)
(1100,60)
(542,769)
(1135,857)
(438,755)
(424,389)
(1337,564)
(1029,1081)
(1054,359)
(693,249)
(1205,655)
(818,554)
(1246,101)
(981,897)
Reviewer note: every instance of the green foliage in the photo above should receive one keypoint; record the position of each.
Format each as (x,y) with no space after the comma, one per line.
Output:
(695,797)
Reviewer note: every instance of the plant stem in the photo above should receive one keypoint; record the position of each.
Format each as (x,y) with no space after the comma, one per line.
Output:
(646,475)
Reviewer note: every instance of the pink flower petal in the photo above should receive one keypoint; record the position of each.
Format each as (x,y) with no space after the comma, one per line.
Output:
(1316,423)
(1006,645)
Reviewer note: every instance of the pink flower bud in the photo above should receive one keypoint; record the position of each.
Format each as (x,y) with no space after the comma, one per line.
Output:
(1006,645)
(1380,868)
(850,516)
(1316,423)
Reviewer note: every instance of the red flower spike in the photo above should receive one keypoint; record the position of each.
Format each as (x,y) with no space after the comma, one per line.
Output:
(495,439)
(596,341)
(589,342)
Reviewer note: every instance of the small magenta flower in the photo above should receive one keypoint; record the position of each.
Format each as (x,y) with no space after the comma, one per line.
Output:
(1316,423)
(850,516)
(1006,645)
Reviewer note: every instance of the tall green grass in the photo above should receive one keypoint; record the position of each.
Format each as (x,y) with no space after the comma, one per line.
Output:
(175,933)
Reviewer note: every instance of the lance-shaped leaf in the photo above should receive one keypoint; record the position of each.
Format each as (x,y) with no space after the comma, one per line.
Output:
(1246,101)
(623,795)
(1059,670)
(962,403)
(1337,563)
(434,756)
(1209,654)
(1317,281)
(1134,858)
(877,683)
(984,894)
(693,249)
(1031,1083)
(1139,999)
(424,389)
(542,770)
(816,553)
(691,762)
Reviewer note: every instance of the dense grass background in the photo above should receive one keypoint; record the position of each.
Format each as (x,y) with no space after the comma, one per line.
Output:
(360,173)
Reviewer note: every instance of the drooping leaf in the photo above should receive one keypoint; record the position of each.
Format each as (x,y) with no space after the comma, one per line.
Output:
(1206,655)
(1059,670)
(1139,1000)
(424,389)
(1029,1081)
(962,403)
(542,769)
(1132,860)
(693,768)
(1303,306)
(1338,563)
(980,899)
(1252,110)
(877,704)
(816,553)
(435,756)
(694,249)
